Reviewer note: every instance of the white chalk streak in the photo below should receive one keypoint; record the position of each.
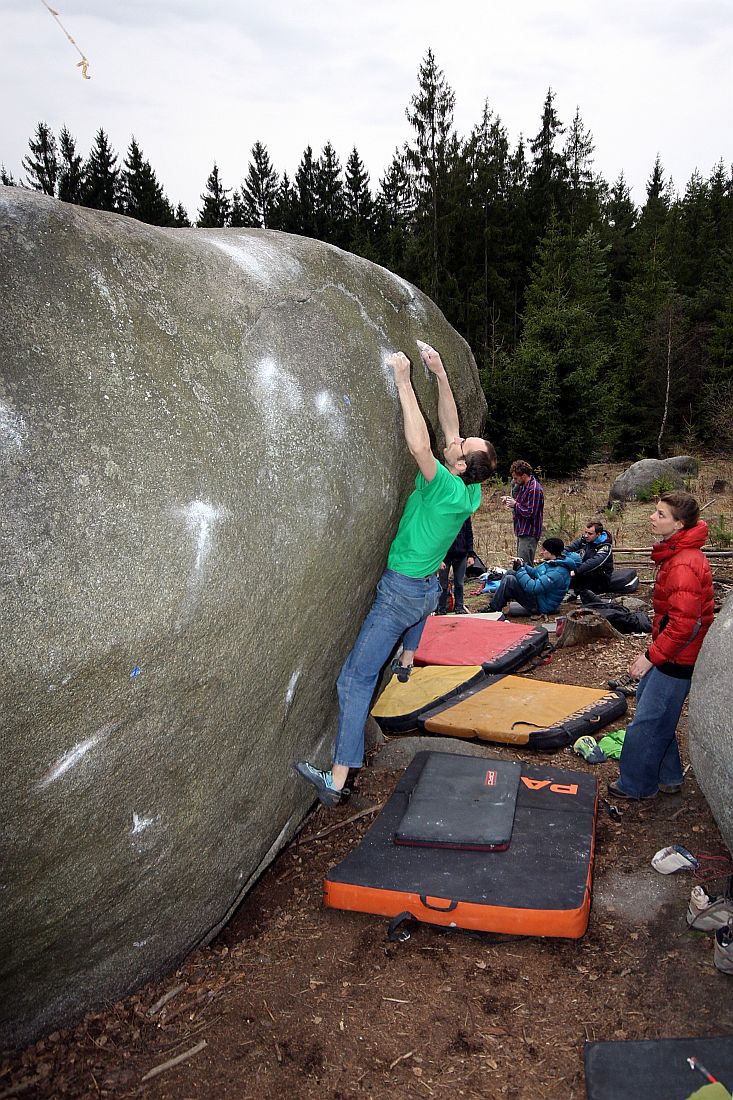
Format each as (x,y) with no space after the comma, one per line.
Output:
(290,693)
(13,430)
(72,757)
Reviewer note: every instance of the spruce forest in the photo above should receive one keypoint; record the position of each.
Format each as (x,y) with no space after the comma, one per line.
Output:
(599,329)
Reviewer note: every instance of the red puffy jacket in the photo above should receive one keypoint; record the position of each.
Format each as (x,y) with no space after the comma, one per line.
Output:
(683,597)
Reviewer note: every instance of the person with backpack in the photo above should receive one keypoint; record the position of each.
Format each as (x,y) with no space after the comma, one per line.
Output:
(541,588)
(595,547)
(683,612)
(459,558)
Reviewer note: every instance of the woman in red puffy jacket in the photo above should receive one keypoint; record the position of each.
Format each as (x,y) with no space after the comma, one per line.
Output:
(683,612)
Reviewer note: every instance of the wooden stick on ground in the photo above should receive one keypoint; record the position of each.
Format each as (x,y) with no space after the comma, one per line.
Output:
(174,1061)
(164,999)
(340,824)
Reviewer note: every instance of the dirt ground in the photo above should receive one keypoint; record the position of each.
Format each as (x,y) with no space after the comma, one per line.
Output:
(294,999)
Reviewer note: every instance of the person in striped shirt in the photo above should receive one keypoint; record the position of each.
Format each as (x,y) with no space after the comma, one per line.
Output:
(528,507)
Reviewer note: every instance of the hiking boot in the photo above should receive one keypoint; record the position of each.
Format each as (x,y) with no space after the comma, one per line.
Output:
(402,672)
(708,914)
(328,795)
(723,948)
(615,790)
(670,788)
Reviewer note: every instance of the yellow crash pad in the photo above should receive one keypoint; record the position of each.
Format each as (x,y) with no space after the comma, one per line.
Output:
(518,711)
(399,705)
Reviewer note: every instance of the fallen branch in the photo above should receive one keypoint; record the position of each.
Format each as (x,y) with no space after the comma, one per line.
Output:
(401,1058)
(340,824)
(165,999)
(174,1061)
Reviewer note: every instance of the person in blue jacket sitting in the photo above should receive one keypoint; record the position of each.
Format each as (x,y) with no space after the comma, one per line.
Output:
(538,588)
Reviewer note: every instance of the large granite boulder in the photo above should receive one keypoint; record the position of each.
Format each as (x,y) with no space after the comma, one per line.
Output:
(640,476)
(710,728)
(201,467)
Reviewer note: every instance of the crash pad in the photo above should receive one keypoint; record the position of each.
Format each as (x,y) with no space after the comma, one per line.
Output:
(397,708)
(539,886)
(498,645)
(518,711)
(655,1069)
(456,804)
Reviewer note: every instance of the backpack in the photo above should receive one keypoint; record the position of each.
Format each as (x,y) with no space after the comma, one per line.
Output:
(623,620)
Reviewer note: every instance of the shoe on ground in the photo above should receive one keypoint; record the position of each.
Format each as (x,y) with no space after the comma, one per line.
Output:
(402,672)
(328,795)
(462,611)
(439,612)
(590,750)
(615,790)
(670,788)
(723,953)
(706,914)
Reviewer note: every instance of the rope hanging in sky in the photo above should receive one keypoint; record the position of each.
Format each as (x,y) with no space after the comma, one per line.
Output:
(83,64)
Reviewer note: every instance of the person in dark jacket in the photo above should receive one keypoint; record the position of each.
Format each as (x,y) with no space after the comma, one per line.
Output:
(683,613)
(538,588)
(459,557)
(595,547)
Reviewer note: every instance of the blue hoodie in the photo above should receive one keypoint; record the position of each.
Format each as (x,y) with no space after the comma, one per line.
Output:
(548,582)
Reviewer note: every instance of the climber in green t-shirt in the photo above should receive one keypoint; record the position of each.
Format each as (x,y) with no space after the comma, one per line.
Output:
(443,498)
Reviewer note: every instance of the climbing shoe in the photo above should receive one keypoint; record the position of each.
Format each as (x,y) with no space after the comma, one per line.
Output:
(590,750)
(322,781)
(402,672)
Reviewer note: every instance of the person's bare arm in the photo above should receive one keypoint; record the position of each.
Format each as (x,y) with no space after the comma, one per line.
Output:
(447,411)
(416,430)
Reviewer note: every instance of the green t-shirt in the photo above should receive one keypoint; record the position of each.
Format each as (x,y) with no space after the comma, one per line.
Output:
(433,516)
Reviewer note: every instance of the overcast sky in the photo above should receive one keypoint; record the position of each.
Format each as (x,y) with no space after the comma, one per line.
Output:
(201,80)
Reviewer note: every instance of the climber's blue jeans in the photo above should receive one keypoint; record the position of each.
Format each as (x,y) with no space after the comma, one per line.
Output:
(399,611)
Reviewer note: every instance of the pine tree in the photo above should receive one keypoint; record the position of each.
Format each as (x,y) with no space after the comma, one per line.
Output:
(431,158)
(329,193)
(41,164)
(101,189)
(284,213)
(180,217)
(715,411)
(6,178)
(654,213)
(619,222)
(486,244)
(549,172)
(142,196)
(71,172)
(217,207)
(555,376)
(305,195)
(394,211)
(648,334)
(358,207)
(583,188)
(259,190)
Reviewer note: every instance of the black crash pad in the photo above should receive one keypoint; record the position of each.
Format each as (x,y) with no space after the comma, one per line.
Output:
(539,886)
(457,805)
(655,1069)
